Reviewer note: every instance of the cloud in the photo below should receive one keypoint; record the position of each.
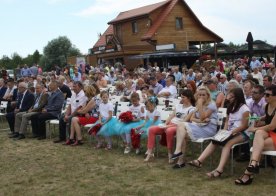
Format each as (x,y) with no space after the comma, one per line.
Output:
(53,2)
(104,7)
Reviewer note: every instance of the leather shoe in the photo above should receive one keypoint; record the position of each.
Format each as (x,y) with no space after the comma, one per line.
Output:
(243,158)
(20,137)
(34,136)
(59,140)
(15,135)
(178,166)
(41,138)
(175,156)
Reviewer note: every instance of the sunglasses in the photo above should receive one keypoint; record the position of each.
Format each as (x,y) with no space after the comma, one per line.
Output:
(268,94)
(255,92)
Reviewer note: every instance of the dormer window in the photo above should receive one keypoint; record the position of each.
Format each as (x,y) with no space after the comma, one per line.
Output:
(178,23)
(134,27)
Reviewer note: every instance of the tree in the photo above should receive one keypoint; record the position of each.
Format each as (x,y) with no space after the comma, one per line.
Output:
(5,62)
(36,57)
(57,51)
(16,60)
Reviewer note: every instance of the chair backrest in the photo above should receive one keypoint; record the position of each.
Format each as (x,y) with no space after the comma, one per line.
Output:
(3,106)
(165,112)
(161,100)
(115,99)
(122,107)
(222,114)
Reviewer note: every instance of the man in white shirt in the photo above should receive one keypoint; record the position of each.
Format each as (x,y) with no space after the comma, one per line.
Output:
(169,91)
(77,101)
(223,83)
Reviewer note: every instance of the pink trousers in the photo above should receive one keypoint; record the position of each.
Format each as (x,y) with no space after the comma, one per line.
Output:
(156,130)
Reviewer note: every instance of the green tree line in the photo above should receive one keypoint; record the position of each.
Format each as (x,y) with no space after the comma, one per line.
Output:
(55,53)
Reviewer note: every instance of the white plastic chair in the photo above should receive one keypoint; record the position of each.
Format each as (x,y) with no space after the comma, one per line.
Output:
(221,116)
(268,153)
(3,112)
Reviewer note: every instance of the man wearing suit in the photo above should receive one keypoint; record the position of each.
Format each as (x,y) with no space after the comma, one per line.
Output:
(51,111)
(22,118)
(24,103)
(3,88)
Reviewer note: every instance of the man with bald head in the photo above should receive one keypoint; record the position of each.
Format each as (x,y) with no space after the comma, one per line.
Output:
(24,102)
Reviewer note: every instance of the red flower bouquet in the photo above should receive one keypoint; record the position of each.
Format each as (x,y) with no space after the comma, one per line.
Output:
(95,129)
(135,138)
(126,117)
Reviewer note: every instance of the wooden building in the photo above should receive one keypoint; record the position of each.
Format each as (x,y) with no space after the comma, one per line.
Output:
(164,32)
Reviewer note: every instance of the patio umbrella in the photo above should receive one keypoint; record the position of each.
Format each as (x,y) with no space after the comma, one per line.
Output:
(249,40)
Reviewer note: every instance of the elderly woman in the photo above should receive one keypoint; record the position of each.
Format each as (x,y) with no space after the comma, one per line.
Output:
(90,112)
(203,122)
(265,137)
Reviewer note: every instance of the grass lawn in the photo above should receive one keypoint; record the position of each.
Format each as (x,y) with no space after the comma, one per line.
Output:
(32,167)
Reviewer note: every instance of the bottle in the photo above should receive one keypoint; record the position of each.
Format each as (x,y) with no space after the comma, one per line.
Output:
(252,120)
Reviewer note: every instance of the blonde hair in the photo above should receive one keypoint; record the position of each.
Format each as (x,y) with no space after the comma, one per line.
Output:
(90,91)
(209,99)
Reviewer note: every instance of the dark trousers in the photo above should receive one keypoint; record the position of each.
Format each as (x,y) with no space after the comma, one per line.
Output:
(62,127)
(11,119)
(38,123)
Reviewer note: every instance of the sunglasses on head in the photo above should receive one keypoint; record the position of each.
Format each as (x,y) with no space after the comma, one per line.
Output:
(268,94)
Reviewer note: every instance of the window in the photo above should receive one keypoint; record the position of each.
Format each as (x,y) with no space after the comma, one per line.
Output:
(178,23)
(134,27)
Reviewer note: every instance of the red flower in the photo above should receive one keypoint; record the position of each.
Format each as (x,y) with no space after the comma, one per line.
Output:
(95,129)
(135,139)
(126,117)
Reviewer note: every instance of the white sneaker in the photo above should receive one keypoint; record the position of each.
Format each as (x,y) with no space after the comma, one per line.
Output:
(127,150)
(137,151)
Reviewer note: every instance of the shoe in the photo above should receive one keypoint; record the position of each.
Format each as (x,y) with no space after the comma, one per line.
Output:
(214,174)
(149,157)
(108,147)
(41,138)
(249,181)
(98,146)
(137,151)
(175,156)
(34,136)
(69,142)
(253,168)
(195,163)
(77,143)
(127,150)
(243,158)
(15,135)
(59,140)
(178,166)
(20,137)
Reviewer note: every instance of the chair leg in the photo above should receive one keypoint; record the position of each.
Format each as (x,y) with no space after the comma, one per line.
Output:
(232,161)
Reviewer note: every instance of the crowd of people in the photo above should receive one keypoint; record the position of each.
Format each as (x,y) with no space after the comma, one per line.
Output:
(80,95)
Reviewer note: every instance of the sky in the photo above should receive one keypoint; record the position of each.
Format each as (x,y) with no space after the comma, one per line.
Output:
(28,25)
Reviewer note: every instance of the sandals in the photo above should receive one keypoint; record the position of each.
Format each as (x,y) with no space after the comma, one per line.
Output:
(195,163)
(108,147)
(214,174)
(253,168)
(149,157)
(69,142)
(239,181)
(77,143)
(98,146)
